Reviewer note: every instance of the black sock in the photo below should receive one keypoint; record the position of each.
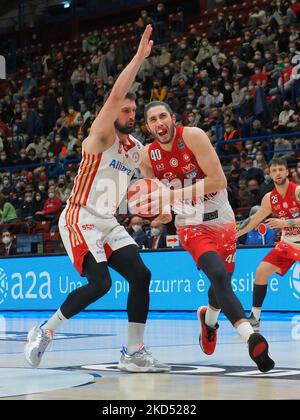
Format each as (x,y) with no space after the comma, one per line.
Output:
(259,294)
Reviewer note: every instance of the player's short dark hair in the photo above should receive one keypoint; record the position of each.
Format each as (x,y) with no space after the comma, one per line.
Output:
(130,95)
(277,161)
(157,103)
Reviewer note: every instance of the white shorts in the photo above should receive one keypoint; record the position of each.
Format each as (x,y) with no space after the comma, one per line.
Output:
(83,232)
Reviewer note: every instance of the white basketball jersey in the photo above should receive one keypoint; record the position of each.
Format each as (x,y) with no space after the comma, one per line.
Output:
(102,180)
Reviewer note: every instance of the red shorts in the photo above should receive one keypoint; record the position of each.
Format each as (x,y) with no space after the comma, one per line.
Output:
(199,240)
(283,256)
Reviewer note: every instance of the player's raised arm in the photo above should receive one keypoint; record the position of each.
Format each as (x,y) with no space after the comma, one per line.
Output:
(253,221)
(102,127)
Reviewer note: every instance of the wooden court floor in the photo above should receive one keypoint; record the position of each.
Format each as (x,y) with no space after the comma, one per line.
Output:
(81,363)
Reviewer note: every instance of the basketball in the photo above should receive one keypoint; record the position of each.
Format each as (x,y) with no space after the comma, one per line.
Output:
(136,191)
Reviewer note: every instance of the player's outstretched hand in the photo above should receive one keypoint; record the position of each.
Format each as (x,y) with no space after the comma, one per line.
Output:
(146,44)
(276,223)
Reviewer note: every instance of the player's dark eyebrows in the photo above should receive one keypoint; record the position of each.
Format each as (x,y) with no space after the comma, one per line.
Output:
(154,117)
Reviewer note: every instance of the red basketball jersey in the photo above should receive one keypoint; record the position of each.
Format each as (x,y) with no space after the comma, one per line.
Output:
(287,207)
(180,163)
(180,166)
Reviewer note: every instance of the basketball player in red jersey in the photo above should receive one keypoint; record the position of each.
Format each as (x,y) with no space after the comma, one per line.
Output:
(91,234)
(206,230)
(284,202)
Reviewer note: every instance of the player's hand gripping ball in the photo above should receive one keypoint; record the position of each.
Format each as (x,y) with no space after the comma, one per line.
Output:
(143,193)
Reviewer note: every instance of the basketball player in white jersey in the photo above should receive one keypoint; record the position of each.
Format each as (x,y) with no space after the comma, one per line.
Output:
(91,234)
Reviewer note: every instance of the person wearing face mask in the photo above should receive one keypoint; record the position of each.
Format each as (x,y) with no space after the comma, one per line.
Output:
(7,187)
(164,58)
(285,116)
(218,29)
(260,161)
(8,213)
(4,160)
(158,92)
(56,145)
(63,189)
(259,78)
(38,201)
(230,133)
(27,206)
(137,233)
(251,173)
(158,236)
(204,101)
(23,158)
(52,207)
(286,81)
(8,245)
(268,184)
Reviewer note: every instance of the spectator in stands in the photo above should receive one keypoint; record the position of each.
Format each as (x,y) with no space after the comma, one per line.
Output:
(237,96)
(38,201)
(252,173)
(204,101)
(56,146)
(160,23)
(63,190)
(8,213)
(4,160)
(267,185)
(244,195)
(218,29)
(8,247)
(254,189)
(164,58)
(93,42)
(27,207)
(33,159)
(236,171)
(158,92)
(158,236)
(283,148)
(260,161)
(7,188)
(257,18)
(231,134)
(28,88)
(284,117)
(255,238)
(137,233)
(260,78)
(52,207)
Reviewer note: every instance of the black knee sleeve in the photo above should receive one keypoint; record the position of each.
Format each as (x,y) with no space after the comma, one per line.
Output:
(99,283)
(213,266)
(212,298)
(129,264)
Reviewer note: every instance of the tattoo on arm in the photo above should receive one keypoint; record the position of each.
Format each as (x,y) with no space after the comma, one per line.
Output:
(244,224)
(298,194)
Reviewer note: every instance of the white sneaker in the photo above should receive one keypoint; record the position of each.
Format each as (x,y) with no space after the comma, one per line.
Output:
(37,342)
(141,361)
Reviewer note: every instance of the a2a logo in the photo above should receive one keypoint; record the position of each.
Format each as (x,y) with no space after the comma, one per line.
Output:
(3,286)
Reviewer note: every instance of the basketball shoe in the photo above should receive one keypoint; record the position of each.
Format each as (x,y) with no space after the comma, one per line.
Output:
(141,361)
(208,336)
(259,352)
(37,343)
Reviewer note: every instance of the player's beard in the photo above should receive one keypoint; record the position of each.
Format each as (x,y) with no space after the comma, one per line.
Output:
(280,183)
(123,129)
(172,132)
